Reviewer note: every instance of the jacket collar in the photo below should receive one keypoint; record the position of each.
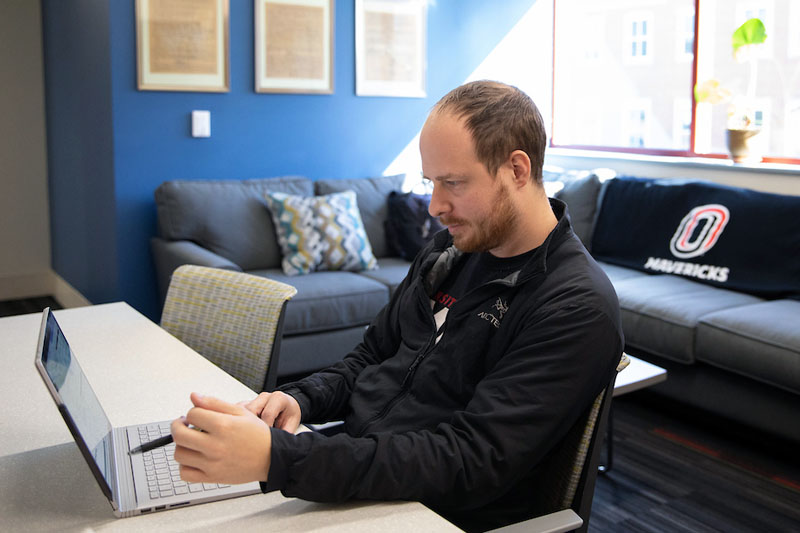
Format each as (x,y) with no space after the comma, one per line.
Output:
(444,254)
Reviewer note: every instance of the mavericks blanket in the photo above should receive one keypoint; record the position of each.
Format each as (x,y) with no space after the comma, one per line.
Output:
(734,238)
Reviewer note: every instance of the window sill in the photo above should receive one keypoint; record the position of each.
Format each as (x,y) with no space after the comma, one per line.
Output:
(613,158)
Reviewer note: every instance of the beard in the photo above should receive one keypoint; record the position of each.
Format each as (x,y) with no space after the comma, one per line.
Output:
(488,232)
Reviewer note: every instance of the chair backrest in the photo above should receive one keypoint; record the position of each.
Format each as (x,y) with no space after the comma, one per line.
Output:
(233,319)
(569,474)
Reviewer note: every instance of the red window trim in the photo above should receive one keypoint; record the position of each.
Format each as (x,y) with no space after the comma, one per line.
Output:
(649,151)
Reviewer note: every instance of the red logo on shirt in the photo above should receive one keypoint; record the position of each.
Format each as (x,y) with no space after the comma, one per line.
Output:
(445,299)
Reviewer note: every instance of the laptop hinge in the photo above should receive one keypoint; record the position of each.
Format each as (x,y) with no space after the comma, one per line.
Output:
(124,494)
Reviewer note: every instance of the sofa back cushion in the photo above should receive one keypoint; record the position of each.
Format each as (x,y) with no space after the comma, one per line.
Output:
(409,226)
(230,217)
(371,194)
(580,192)
(733,238)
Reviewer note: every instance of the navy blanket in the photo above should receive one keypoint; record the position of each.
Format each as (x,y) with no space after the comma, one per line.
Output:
(734,238)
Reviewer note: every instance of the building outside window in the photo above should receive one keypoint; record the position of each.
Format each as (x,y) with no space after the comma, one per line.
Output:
(681,122)
(636,129)
(611,55)
(637,29)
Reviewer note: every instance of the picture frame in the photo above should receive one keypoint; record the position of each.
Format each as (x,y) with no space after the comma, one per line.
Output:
(182,45)
(391,55)
(294,46)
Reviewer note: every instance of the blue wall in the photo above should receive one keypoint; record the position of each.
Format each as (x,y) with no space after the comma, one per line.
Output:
(105,252)
(79,146)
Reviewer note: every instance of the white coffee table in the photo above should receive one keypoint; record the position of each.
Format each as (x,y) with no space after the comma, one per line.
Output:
(637,375)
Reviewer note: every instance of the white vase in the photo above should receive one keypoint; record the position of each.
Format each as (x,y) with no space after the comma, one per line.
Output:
(744,145)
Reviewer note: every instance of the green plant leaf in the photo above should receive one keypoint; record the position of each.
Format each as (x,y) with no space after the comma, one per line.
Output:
(751,32)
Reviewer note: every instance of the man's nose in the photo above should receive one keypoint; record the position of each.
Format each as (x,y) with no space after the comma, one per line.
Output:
(438,206)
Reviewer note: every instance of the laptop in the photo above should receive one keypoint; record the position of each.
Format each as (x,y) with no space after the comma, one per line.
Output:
(134,484)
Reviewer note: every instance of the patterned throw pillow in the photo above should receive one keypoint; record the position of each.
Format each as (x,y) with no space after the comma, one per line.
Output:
(320,233)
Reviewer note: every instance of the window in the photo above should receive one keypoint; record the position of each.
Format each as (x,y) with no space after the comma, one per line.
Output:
(623,76)
(684,35)
(637,30)
(638,73)
(793,44)
(681,122)
(636,128)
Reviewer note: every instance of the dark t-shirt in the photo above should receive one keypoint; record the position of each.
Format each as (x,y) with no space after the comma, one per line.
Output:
(473,271)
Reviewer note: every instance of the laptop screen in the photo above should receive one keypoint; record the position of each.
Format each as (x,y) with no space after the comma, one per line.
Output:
(77,397)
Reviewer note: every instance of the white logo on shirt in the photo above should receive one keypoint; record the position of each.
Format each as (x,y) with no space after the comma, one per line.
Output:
(500,308)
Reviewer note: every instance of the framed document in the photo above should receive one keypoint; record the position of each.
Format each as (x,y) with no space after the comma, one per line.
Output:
(390,47)
(294,46)
(182,45)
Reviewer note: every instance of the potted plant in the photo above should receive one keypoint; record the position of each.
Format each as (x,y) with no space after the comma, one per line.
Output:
(741,124)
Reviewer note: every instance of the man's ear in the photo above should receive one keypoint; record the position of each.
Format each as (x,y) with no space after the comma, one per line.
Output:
(521,165)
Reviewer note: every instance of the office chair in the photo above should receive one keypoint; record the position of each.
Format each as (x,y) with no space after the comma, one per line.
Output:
(570,472)
(233,319)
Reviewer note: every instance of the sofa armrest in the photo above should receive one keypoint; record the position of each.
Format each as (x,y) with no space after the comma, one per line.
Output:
(169,255)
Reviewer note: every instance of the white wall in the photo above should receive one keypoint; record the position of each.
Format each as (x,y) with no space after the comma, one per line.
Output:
(24,212)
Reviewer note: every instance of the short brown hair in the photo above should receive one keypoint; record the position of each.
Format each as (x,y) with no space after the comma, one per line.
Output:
(501,119)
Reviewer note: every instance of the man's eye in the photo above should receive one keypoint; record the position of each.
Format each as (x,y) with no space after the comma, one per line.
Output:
(453,183)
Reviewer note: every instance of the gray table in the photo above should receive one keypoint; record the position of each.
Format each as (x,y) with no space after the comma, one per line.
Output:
(141,374)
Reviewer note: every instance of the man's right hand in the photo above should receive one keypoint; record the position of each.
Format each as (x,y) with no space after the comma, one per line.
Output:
(276,409)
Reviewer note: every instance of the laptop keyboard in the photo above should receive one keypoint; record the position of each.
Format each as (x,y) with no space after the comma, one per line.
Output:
(163,472)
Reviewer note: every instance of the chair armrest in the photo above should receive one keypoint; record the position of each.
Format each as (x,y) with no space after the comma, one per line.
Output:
(169,255)
(558,522)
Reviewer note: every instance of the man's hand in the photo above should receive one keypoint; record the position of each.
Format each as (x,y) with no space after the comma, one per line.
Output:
(232,446)
(276,409)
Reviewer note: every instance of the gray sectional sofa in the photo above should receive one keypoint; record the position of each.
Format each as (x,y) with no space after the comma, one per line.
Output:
(727,352)
(226,224)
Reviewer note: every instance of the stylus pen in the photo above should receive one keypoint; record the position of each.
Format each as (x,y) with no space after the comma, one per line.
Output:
(152,445)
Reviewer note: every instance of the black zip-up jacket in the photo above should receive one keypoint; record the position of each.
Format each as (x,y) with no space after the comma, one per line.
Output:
(461,424)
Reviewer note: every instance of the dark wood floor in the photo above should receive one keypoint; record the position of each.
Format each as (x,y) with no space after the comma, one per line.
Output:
(672,473)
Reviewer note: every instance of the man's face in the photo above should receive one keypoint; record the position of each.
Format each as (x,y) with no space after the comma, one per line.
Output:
(474,205)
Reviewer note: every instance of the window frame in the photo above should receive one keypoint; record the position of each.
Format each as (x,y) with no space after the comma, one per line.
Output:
(690,153)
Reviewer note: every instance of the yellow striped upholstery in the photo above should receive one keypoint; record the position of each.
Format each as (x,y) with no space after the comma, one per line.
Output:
(231,318)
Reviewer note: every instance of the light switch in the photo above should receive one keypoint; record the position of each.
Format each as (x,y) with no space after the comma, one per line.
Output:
(201,123)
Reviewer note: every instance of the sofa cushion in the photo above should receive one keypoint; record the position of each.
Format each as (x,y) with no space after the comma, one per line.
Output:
(761,341)
(617,273)
(371,194)
(710,233)
(391,271)
(229,218)
(301,354)
(320,233)
(409,226)
(329,300)
(660,313)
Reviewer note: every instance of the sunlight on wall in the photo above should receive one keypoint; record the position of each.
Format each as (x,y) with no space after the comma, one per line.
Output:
(524,58)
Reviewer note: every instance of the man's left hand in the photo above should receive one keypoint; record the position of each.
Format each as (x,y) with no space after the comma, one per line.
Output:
(233,445)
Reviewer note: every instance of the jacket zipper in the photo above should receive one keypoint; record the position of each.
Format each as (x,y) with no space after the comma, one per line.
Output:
(403,386)
(412,369)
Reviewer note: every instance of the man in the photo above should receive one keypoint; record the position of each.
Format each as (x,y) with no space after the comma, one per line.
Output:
(500,337)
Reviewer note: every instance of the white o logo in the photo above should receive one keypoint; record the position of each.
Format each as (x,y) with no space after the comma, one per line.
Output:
(699,230)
